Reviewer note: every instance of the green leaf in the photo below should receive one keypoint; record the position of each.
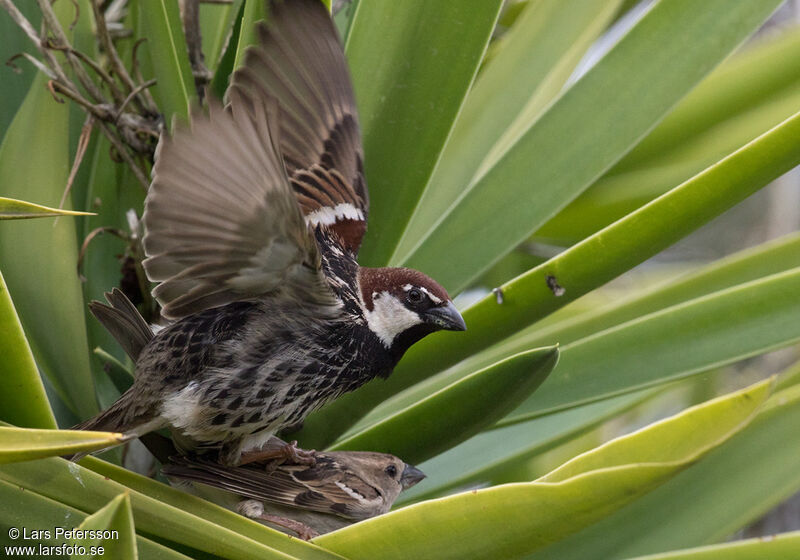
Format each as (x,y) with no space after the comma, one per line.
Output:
(174,91)
(537,56)
(515,519)
(26,508)
(579,270)
(252,12)
(615,195)
(12,209)
(586,131)
(769,258)
(88,491)
(15,83)
(26,444)
(785,546)
(412,64)
(477,460)
(206,510)
(22,398)
(772,257)
(727,413)
(769,67)
(686,338)
(34,164)
(112,191)
(216,22)
(746,95)
(120,374)
(219,83)
(116,516)
(457,412)
(733,486)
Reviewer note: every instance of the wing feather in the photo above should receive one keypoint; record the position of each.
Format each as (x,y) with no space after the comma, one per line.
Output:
(299,62)
(222,223)
(316,493)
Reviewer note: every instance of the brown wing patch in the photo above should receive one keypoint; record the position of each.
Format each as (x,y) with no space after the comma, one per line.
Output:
(299,62)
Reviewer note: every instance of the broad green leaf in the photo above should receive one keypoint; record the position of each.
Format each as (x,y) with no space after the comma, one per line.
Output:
(252,12)
(726,413)
(784,546)
(15,83)
(115,516)
(615,195)
(22,398)
(590,127)
(743,94)
(578,270)
(216,24)
(40,256)
(121,375)
(769,65)
(26,444)
(412,64)
(456,412)
(174,91)
(344,18)
(687,338)
(206,510)
(12,209)
(227,61)
(23,507)
(476,461)
(789,377)
(733,486)
(88,491)
(537,56)
(515,519)
(111,191)
(751,264)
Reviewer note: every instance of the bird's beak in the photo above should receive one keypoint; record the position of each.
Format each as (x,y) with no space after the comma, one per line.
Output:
(411,475)
(446,317)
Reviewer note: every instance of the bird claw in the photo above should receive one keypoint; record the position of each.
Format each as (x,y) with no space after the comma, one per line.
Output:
(298,456)
(301,529)
(280,455)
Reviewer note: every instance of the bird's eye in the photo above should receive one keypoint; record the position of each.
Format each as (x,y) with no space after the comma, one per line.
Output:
(391,470)
(414,295)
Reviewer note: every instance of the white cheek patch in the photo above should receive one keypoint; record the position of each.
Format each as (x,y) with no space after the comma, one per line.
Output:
(327,215)
(389,317)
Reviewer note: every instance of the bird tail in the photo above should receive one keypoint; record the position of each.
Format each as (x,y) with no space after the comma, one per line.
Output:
(123,321)
(117,419)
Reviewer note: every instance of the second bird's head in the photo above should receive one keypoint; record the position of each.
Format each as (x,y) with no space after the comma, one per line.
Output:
(403,305)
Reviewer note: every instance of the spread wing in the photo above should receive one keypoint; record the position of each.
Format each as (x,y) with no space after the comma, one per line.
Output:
(221,219)
(299,62)
(312,488)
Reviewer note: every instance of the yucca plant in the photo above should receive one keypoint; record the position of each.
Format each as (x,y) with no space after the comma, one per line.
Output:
(486,129)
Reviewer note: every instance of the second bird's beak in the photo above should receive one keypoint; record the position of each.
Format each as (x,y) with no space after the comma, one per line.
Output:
(411,475)
(446,317)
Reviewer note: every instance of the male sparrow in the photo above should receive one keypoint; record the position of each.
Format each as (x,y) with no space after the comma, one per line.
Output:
(252,226)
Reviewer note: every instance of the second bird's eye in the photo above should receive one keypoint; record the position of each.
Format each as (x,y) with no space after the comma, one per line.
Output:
(391,470)
(414,295)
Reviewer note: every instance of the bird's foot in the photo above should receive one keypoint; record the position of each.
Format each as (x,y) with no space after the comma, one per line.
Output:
(254,509)
(298,456)
(303,531)
(280,454)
